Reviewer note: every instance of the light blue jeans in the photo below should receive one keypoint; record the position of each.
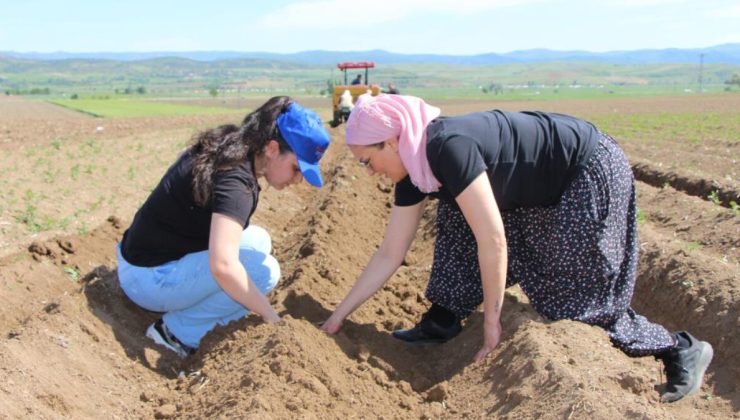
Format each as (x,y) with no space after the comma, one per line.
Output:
(188,294)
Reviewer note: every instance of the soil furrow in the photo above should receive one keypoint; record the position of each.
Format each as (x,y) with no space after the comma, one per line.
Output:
(700,224)
(717,190)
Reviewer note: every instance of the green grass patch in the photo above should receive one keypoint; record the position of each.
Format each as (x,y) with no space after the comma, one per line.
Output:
(133,108)
(690,127)
(542,93)
(641,218)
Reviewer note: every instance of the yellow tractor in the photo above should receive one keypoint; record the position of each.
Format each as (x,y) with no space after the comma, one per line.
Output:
(344,96)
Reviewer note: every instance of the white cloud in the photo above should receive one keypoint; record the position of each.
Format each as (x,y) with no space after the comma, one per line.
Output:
(730,38)
(337,14)
(731,11)
(644,3)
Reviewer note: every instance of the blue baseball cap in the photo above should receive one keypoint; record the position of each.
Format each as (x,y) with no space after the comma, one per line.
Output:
(304,132)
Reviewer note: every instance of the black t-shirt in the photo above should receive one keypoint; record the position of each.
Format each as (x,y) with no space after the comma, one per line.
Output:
(170,224)
(530,157)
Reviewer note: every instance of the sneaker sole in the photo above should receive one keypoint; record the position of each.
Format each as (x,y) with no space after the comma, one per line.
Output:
(705,358)
(152,333)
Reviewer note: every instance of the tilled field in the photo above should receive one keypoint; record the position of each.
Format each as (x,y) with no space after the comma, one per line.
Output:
(71,345)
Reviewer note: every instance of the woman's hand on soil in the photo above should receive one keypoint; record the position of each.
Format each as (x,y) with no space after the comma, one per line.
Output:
(331,326)
(491,337)
(273,319)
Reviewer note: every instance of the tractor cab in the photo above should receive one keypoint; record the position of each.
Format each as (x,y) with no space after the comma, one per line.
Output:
(345,95)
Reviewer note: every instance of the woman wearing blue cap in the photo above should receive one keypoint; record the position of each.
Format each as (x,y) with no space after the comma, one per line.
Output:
(190,251)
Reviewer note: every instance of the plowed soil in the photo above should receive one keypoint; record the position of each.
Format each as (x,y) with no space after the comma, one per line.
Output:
(72,345)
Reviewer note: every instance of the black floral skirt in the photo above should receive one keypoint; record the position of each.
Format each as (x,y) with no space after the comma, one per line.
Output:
(574,260)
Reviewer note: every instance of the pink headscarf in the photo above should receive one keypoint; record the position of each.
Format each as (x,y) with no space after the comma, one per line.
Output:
(378,118)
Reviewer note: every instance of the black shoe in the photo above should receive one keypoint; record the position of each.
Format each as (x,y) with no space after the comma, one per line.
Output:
(685,365)
(428,332)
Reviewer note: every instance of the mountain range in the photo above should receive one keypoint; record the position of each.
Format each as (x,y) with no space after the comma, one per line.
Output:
(725,53)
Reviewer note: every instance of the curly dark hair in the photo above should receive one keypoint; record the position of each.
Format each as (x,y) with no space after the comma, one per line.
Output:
(226,146)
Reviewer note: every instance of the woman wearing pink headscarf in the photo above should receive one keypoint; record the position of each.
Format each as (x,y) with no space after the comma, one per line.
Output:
(540,199)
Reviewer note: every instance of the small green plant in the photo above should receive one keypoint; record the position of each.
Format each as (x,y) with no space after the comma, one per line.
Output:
(57,144)
(687,284)
(94,145)
(714,198)
(50,175)
(666,185)
(33,220)
(694,246)
(64,223)
(72,273)
(39,162)
(28,215)
(640,217)
(96,205)
(734,207)
(83,229)
(74,172)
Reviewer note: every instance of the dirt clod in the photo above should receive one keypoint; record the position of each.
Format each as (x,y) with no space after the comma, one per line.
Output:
(166,411)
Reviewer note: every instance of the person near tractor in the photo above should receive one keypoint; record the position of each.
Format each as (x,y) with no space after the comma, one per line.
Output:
(540,199)
(345,101)
(392,89)
(357,80)
(191,252)
(346,105)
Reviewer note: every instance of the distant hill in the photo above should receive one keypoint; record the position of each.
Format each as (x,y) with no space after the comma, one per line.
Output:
(560,73)
(726,54)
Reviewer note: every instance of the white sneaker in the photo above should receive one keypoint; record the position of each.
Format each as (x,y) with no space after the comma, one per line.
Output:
(162,336)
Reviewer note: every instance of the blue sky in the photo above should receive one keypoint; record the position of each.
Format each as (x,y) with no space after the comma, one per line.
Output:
(402,26)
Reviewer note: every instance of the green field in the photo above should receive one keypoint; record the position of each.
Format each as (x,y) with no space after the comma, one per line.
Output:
(552,92)
(134,108)
(694,127)
(176,77)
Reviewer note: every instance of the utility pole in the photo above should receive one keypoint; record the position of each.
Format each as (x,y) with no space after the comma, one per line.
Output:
(701,72)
